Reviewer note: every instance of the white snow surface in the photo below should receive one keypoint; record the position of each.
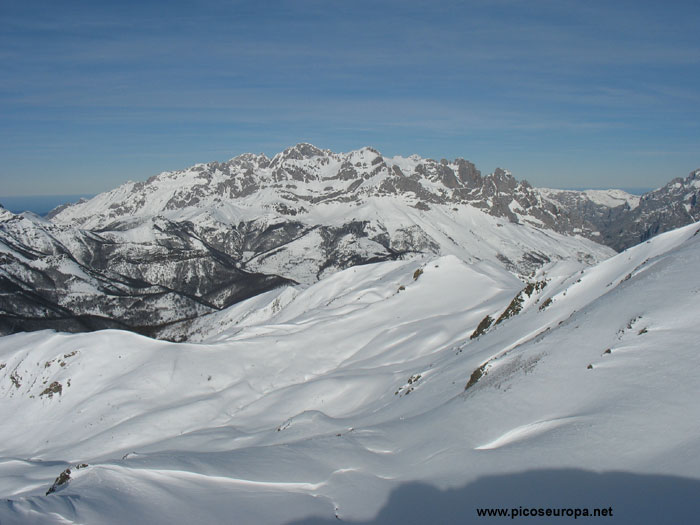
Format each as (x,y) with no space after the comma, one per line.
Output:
(346,400)
(465,232)
(410,206)
(610,198)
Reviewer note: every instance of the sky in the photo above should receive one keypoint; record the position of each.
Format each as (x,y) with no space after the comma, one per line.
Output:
(561,93)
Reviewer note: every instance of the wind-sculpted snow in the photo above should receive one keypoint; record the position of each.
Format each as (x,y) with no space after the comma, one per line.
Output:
(328,400)
(154,256)
(146,266)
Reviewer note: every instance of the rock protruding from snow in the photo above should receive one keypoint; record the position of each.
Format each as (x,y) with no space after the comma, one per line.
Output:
(296,181)
(623,220)
(301,177)
(187,243)
(364,393)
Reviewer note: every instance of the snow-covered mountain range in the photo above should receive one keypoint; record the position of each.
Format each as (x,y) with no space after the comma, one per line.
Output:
(363,339)
(153,256)
(402,391)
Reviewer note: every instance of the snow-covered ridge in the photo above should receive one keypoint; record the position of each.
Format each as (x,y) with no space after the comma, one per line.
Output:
(148,273)
(623,220)
(323,401)
(183,244)
(613,198)
(302,179)
(609,198)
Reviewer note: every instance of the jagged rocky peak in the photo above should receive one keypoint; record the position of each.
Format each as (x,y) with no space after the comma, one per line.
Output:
(189,242)
(503,181)
(5,214)
(301,151)
(303,176)
(467,173)
(304,150)
(687,187)
(694,176)
(250,159)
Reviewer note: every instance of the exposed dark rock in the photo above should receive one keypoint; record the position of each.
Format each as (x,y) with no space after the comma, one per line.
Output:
(483,327)
(664,209)
(476,375)
(95,278)
(53,388)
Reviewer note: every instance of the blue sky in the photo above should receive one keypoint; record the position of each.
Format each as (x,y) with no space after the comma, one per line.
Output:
(562,93)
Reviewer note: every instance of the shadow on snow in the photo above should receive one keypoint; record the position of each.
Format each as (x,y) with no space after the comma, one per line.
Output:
(634,498)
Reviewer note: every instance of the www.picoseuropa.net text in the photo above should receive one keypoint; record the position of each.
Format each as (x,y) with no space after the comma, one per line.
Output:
(544,512)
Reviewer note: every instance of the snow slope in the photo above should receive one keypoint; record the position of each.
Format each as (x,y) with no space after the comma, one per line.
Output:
(348,400)
(608,198)
(156,255)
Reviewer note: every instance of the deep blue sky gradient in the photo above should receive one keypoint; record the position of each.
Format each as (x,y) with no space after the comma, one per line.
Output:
(562,93)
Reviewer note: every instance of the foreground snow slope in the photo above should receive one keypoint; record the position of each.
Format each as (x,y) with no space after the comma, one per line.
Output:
(326,402)
(156,274)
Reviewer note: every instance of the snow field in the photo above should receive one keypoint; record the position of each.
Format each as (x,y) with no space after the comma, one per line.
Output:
(352,387)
